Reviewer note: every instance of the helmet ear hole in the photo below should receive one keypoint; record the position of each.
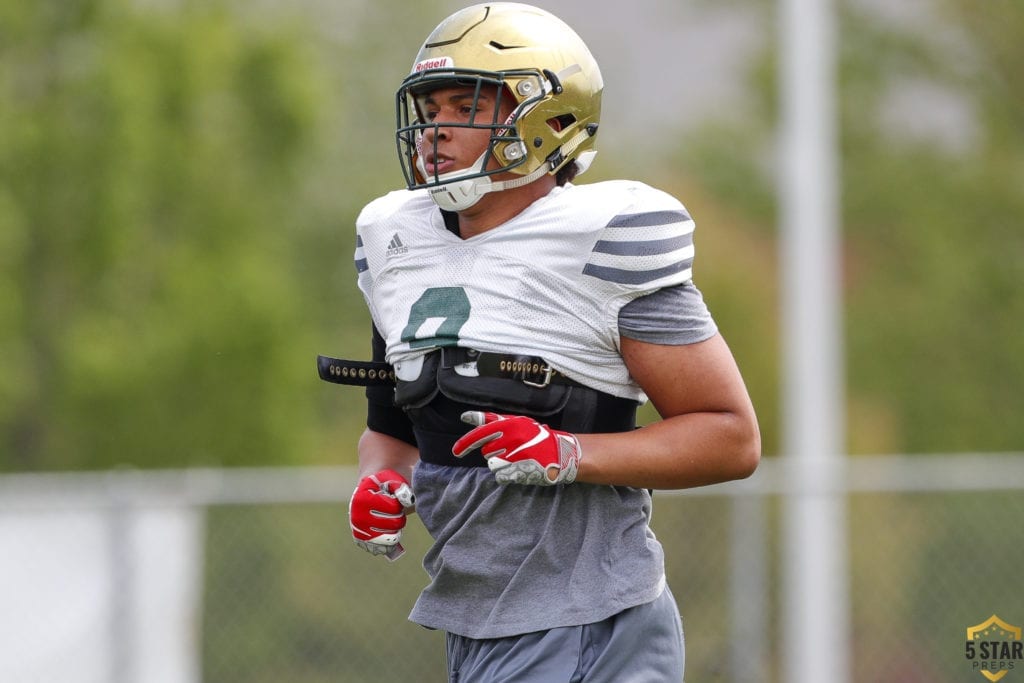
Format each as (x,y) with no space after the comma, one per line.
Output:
(560,123)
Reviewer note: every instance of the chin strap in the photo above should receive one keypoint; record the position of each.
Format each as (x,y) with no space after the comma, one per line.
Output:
(461,194)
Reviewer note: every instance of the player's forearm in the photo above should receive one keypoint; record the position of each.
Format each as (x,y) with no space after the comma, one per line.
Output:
(684,451)
(378,451)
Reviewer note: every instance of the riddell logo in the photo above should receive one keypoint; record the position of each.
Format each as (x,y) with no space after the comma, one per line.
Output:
(436,63)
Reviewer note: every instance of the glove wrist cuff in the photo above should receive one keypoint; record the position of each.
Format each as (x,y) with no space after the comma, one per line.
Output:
(570,452)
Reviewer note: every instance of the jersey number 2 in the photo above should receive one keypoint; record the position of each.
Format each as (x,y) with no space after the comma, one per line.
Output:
(436,318)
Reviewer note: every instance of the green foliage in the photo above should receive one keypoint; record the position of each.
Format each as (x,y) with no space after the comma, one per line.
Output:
(933,246)
(151,312)
(934,240)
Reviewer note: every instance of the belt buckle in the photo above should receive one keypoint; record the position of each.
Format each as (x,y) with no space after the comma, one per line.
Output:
(548,371)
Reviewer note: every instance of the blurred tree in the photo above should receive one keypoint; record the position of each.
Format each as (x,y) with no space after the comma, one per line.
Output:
(178,186)
(933,210)
(932,136)
(149,309)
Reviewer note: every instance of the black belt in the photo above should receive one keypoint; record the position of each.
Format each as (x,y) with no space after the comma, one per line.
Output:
(531,370)
(355,372)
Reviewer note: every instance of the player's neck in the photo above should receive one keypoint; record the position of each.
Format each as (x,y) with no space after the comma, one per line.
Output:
(497,208)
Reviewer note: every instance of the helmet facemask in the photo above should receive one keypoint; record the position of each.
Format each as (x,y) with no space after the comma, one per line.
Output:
(506,149)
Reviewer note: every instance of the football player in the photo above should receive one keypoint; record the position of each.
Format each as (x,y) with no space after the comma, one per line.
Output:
(524,317)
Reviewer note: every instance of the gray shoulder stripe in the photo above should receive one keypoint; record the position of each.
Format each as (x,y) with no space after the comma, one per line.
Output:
(359,240)
(639,220)
(361,265)
(648,248)
(634,277)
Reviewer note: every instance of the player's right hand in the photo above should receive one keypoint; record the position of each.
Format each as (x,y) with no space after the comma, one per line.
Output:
(377,513)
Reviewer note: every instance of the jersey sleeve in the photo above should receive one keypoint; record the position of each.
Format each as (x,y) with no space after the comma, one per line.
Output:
(368,250)
(364,278)
(646,246)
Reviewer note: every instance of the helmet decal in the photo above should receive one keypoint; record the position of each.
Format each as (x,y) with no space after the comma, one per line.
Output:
(433,63)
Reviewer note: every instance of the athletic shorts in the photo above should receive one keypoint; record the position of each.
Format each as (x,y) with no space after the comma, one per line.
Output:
(643,644)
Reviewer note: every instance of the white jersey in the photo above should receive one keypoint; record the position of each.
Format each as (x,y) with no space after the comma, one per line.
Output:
(550,282)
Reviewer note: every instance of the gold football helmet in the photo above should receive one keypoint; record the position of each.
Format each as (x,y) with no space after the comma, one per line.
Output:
(529,55)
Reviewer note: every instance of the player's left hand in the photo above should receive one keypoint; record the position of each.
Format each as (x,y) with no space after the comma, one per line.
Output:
(520,450)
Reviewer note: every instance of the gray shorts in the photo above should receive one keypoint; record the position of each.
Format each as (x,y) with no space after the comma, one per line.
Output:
(643,644)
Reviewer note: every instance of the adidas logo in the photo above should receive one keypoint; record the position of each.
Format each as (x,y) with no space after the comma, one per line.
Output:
(395,247)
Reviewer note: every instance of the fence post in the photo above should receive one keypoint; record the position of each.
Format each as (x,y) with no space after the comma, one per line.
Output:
(121,583)
(748,588)
(815,628)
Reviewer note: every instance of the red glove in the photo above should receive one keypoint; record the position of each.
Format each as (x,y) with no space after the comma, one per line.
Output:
(377,513)
(520,450)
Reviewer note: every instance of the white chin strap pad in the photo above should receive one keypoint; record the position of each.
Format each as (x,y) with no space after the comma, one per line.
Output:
(455,193)
(459,195)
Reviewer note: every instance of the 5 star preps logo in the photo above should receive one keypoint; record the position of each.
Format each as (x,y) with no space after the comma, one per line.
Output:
(994,648)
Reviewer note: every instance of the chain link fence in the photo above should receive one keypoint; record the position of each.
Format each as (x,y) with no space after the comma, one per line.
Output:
(249,576)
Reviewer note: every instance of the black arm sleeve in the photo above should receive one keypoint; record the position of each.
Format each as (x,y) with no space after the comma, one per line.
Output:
(382,415)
